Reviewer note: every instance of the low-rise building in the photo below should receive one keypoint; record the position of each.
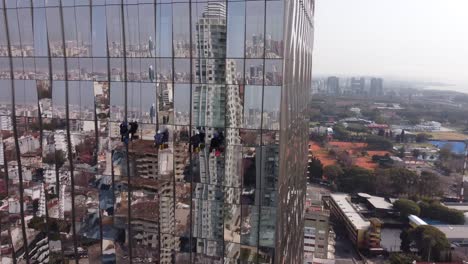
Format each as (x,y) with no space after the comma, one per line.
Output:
(364,233)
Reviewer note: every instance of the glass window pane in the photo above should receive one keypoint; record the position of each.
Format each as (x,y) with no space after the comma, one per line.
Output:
(163,70)
(255,19)
(26,31)
(99,31)
(254,71)
(249,225)
(234,106)
(40,32)
(182,104)
(182,70)
(4,68)
(274,29)
(234,71)
(42,69)
(114,30)
(147,71)
(54,31)
(14,33)
(232,217)
(3,38)
(267,226)
(18,70)
(5,97)
(83,32)
(147,29)
(209,29)
(117,101)
(133,101)
(29,69)
(181,29)
(271,107)
(86,68)
(58,69)
(58,99)
(163,30)
(133,70)
(236,30)
(273,72)
(69,24)
(73,69)
(87,100)
(148,103)
(132,33)
(116,68)
(209,105)
(100,69)
(252,107)
(165,103)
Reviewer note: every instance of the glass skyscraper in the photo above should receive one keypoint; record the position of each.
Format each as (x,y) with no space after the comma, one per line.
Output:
(143,131)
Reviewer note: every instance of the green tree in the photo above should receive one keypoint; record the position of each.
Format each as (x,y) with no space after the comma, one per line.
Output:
(401,181)
(405,241)
(435,210)
(431,243)
(429,184)
(407,207)
(341,133)
(378,143)
(399,258)
(416,153)
(356,179)
(402,152)
(358,128)
(423,137)
(445,152)
(333,172)
(315,169)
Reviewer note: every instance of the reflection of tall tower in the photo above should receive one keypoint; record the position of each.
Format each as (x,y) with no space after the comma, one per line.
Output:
(42,202)
(209,110)
(165,96)
(209,97)
(62,203)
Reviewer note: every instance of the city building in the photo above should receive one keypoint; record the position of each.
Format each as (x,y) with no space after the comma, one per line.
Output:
(153,130)
(364,233)
(376,87)
(358,85)
(318,238)
(333,85)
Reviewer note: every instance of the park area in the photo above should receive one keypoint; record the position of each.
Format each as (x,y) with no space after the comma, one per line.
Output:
(349,153)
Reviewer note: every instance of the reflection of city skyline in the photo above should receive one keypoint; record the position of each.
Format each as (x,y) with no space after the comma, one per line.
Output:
(87,184)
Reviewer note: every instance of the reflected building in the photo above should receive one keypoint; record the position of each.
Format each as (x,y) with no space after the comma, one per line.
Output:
(214,171)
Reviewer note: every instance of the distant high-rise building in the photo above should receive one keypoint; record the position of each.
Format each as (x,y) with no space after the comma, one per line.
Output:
(376,87)
(358,85)
(333,85)
(219,91)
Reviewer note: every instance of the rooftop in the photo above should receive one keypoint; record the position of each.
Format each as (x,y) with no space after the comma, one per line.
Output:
(459,206)
(454,232)
(350,211)
(416,220)
(380,203)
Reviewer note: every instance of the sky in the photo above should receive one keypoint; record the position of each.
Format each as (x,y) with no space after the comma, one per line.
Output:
(424,40)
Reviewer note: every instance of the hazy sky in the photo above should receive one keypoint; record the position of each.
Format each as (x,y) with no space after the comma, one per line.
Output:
(414,39)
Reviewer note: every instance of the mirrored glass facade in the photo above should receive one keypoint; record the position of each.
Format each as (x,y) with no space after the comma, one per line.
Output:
(153,131)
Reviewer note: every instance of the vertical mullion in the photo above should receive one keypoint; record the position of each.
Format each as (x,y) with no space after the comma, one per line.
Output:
(15,135)
(260,189)
(129,190)
(69,146)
